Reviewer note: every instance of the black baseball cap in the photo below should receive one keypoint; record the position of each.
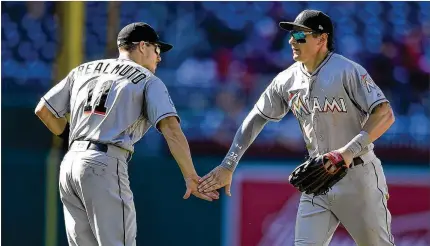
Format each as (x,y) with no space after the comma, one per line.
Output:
(140,31)
(313,19)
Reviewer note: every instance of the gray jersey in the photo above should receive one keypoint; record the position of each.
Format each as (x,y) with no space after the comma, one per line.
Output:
(112,101)
(332,104)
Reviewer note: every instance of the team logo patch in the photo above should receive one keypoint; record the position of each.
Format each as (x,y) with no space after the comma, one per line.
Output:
(170,99)
(367,81)
(298,106)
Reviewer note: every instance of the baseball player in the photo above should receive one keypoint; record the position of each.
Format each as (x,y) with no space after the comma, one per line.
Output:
(341,111)
(112,103)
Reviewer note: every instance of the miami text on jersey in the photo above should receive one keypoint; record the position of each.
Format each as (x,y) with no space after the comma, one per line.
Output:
(301,106)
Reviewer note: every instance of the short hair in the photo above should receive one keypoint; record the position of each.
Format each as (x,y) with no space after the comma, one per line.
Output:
(330,42)
(129,47)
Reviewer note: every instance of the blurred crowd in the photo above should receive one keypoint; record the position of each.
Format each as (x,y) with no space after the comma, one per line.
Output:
(226,53)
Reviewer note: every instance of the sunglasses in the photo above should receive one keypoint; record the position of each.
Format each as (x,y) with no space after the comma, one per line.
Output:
(157,46)
(299,36)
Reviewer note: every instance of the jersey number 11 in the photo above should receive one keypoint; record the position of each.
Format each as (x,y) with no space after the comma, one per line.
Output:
(100,102)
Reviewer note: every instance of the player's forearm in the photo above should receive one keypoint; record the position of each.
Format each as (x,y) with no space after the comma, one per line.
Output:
(245,135)
(379,122)
(180,149)
(54,124)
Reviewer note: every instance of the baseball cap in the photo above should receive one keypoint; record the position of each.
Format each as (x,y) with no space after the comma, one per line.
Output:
(313,19)
(140,31)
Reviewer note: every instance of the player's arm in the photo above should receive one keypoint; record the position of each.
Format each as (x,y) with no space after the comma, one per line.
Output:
(222,175)
(53,107)
(245,136)
(270,107)
(161,112)
(369,97)
(56,125)
(380,120)
(178,145)
(180,150)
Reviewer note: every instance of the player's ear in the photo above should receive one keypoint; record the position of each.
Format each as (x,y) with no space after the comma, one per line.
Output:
(142,46)
(323,38)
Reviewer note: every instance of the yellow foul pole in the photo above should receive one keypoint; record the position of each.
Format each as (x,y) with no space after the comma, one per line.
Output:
(70,54)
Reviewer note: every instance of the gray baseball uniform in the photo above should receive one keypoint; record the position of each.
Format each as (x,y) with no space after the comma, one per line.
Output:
(332,105)
(112,103)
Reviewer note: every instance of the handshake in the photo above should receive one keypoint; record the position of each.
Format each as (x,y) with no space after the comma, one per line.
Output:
(206,187)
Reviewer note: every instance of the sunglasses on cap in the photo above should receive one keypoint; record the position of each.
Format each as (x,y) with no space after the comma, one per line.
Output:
(300,36)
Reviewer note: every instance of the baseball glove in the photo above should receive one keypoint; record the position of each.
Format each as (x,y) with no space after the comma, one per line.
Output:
(319,174)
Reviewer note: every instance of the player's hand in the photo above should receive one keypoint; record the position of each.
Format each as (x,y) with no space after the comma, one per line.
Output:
(346,155)
(192,182)
(216,179)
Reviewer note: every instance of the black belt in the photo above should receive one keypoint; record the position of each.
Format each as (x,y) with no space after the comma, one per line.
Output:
(98,147)
(104,148)
(357,161)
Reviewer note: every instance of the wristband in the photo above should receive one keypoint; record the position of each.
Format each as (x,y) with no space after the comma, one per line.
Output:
(358,143)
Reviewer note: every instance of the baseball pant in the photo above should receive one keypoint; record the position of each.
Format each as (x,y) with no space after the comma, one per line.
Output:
(97,200)
(358,201)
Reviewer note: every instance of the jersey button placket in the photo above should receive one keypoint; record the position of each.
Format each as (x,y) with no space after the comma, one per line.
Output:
(314,114)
